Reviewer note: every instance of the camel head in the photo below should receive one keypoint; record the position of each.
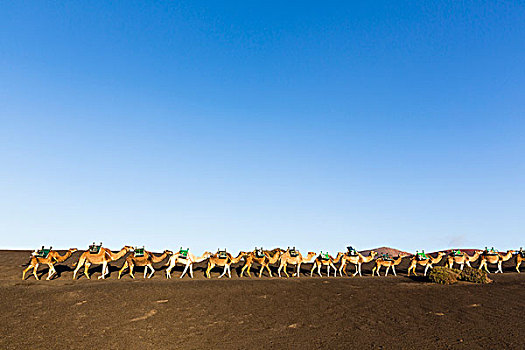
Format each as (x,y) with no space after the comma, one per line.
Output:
(169,252)
(441,254)
(72,250)
(373,253)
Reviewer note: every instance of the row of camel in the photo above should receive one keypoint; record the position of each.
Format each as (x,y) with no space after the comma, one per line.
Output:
(264,258)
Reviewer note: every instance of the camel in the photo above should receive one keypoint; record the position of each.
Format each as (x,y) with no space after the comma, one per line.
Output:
(463,259)
(52,258)
(497,258)
(387,263)
(222,258)
(293,257)
(103,257)
(326,260)
(425,262)
(357,260)
(188,261)
(147,260)
(520,257)
(263,258)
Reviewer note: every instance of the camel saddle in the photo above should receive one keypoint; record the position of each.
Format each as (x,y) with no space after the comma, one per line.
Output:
(222,254)
(43,253)
(139,252)
(386,257)
(522,253)
(351,251)
(421,256)
(259,253)
(294,253)
(324,256)
(456,253)
(94,248)
(184,252)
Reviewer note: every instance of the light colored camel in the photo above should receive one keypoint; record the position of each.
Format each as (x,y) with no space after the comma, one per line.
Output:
(321,260)
(498,259)
(267,258)
(147,260)
(388,264)
(216,260)
(425,262)
(356,260)
(52,258)
(287,258)
(103,257)
(463,259)
(188,262)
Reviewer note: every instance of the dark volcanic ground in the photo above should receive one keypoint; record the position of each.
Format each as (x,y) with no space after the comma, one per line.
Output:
(268,313)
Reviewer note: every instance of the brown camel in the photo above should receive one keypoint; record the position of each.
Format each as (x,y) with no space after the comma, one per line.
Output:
(497,258)
(52,258)
(388,263)
(325,260)
(294,257)
(424,262)
(187,259)
(463,259)
(263,258)
(223,258)
(102,257)
(147,260)
(356,260)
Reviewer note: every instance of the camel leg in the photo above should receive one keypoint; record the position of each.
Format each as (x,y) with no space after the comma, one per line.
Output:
(86,269)
(210,266)
(31,266)
(104,265)
(518,266)
(185,269)
(79,265)
(269,271)
(374,270)
(230,271)
(152,271)
(35,268)
(243,269)
(249,271)
(52,271)
(312,270)
(356,270)
(426,268)
(335,270)
(131,267)
(500,265)
(298,270)
(319,270)
(168,270)
(394,270)
(124,267)
(387,268)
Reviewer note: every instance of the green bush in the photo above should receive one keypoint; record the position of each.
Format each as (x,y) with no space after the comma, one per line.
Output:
(474,275)
(444,275)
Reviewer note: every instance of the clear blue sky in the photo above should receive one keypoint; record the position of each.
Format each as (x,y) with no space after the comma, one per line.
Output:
(215,124)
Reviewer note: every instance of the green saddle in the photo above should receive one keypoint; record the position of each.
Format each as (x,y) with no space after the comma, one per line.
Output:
(43,253)
(95,249)
(457,253)
(324,256)
(139,252)
(183,252)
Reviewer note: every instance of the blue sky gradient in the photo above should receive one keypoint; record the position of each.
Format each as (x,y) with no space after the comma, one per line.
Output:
(235,124)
